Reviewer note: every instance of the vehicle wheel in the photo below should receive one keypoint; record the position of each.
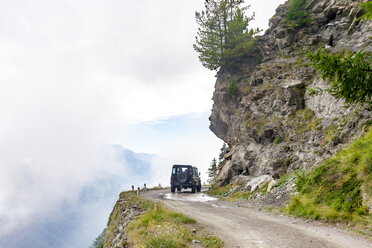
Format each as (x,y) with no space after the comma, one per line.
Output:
(193,189)
(173,188)
(198,188)
(178,189)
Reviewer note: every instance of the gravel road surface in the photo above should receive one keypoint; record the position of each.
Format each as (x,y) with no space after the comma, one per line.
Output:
(245,227)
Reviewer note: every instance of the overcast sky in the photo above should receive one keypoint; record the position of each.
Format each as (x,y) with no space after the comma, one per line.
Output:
(79,74)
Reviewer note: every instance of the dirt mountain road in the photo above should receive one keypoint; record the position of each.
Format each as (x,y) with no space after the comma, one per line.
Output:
(245,227)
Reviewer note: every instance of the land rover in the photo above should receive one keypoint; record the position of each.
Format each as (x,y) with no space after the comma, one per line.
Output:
(185,176)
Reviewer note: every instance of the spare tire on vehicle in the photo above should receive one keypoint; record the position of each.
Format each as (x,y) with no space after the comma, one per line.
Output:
(182,177)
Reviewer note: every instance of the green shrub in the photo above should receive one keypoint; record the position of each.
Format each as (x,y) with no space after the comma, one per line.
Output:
(233,88)
(368,11)
(278,140)
(288,161)
(297,15)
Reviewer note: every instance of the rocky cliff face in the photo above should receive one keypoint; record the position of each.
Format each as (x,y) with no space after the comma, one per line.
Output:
(273,125)
(125,210)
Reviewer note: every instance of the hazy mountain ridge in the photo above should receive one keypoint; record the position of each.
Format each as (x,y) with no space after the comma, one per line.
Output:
(72,224)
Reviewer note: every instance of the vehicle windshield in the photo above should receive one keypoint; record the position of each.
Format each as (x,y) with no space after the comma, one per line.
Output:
(177,170)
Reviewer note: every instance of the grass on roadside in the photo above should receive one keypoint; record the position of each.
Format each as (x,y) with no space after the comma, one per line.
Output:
(233,192)
(337,189)
(222,191)
(228,193)
(160,227)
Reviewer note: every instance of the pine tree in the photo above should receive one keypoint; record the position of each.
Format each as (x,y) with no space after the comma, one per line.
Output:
(349,74)
(98,242)
(221,159)
(223,37)
(212,170)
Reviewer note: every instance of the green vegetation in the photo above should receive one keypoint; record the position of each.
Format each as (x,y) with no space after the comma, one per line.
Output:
(233,89)
(331,133)
(349,74)
(278,140)
(160,227)
(221,156)
(284,179)
(258,123)
(212,171)
(227,192)
(157,226)
(297,15)
(368,8)
(334,190)
(116,214)
(304,120)
(215,166)
(98,242)
(232,192)
(221,191)
(288,161)
(223,36)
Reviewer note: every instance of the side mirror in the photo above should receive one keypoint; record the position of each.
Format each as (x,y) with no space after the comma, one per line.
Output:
(199,173)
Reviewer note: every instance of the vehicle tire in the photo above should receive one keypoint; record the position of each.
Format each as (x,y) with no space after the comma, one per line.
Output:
(193,189)
(179,189)
(198,188)
(173,189)
(182,177)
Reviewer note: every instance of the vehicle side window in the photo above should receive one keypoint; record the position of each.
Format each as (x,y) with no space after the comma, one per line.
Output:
(174,171)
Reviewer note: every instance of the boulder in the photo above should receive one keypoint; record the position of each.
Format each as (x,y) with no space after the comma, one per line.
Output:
(257,182)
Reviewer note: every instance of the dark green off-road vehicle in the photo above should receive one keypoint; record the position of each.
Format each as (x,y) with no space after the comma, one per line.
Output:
(185,176)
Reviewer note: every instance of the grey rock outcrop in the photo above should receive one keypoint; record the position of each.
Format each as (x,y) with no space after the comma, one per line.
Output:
(273,125)
(125,210)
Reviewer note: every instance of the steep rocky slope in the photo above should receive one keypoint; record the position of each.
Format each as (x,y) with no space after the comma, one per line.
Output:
(273,125)
(125,210)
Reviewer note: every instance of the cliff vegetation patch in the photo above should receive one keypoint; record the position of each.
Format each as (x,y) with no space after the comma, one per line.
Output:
(340,189)
(297,15)
(233,88)
(368,11)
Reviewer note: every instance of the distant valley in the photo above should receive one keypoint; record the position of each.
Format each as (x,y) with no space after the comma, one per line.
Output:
(76,223)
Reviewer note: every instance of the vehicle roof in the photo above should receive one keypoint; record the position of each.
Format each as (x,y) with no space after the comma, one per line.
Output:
(182,165)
